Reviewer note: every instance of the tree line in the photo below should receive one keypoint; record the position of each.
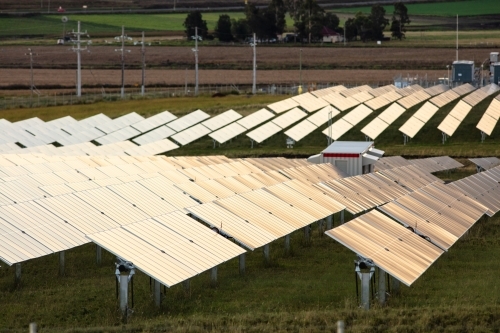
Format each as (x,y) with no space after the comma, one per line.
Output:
(310,22)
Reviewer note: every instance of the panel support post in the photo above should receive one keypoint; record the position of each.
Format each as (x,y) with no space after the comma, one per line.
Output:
(17,279)
(381,286)
(340,326)
(342,217)
(33,328)
(266,253)
(242,263)
(329,222)
(124,295)
(365,290)
(306,233)
(98,255)
(157,292)
(320,227)
(287,244)
(213,275)
(187,286)
(61,263)
(395,286)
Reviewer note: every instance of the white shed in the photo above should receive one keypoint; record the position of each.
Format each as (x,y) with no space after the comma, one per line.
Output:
(352,157)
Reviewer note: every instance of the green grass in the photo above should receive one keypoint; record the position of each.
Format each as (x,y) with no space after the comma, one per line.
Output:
(450,8)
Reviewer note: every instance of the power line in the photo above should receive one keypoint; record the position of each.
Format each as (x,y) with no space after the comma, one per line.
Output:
(78,51)
(122,51)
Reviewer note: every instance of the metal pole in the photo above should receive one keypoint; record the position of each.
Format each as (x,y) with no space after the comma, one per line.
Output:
(143,65)
(266,252)
(300,68)
(381,286)
(124,294)
(242,263)
(213,275)
(33,328)
(78,64)
(329,222)
(395,286)
(61,263)
(18,273)
(365,290)
(287,243)
(306,233)
(123,62)
(196,60)
(98,252)
(254,74)
(342,217)
(340,326)
(31,70)
(157,292)
(457,37)
(186,82)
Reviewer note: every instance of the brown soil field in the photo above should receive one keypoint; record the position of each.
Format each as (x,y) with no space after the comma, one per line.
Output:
(54,66)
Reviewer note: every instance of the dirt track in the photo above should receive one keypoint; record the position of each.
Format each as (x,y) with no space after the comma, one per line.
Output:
(55,65)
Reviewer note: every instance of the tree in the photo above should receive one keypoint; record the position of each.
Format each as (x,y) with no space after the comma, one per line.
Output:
(351,32)
(309,20)
(262,21)
(378,22)
(400,18)
(279,9)
(240,29)
(223,28)
(363,26)
(194,19)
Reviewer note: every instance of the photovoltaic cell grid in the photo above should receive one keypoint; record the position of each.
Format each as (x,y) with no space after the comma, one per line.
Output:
(276,125)
(384,119)
(490,118)
(392,247)
(309,102)
(343,125)
(486,163)
(340,102)
(282,106)
(451,122)
(188,120)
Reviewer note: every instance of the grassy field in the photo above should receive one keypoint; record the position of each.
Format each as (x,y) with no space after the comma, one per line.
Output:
(461,8)
(464,143)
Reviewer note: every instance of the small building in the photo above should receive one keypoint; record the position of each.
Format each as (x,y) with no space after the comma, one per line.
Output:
(463,71)
(495,75)
(330,36)
(352,157)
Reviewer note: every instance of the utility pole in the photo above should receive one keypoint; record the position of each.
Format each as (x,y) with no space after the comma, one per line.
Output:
(143,65)
(254,74)
(78,51)
(457,37)
(31,70)
(195,50)
(122,51)
(300,68)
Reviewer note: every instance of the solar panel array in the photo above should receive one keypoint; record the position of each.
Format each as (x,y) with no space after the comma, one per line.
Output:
(451,122)
(490,118)
(343,125)
(485,163)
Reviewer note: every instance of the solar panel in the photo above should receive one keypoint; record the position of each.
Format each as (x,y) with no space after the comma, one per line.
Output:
(169,193)
(392,113)
(437,89)
(17,246)
(357,115)
(147,258)
(119,123)
(95,120)
(227,133)
(355,90)
(43,226)
(221,120)
(229,224)
(414,99)
(451,122)
(340,102)
(188,120)
(362,96)
(374,128)
(119,135)
(152,148)
(309,102)
(390,246)
(490,118)
(301,130)
(191,134)
(154,121)
(283,105)
(263,132)
(321,117)
(418,120)
(337,129)
(256,215)
(256,118)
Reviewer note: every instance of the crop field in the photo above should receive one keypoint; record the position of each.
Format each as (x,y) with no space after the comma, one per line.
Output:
(461,8)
